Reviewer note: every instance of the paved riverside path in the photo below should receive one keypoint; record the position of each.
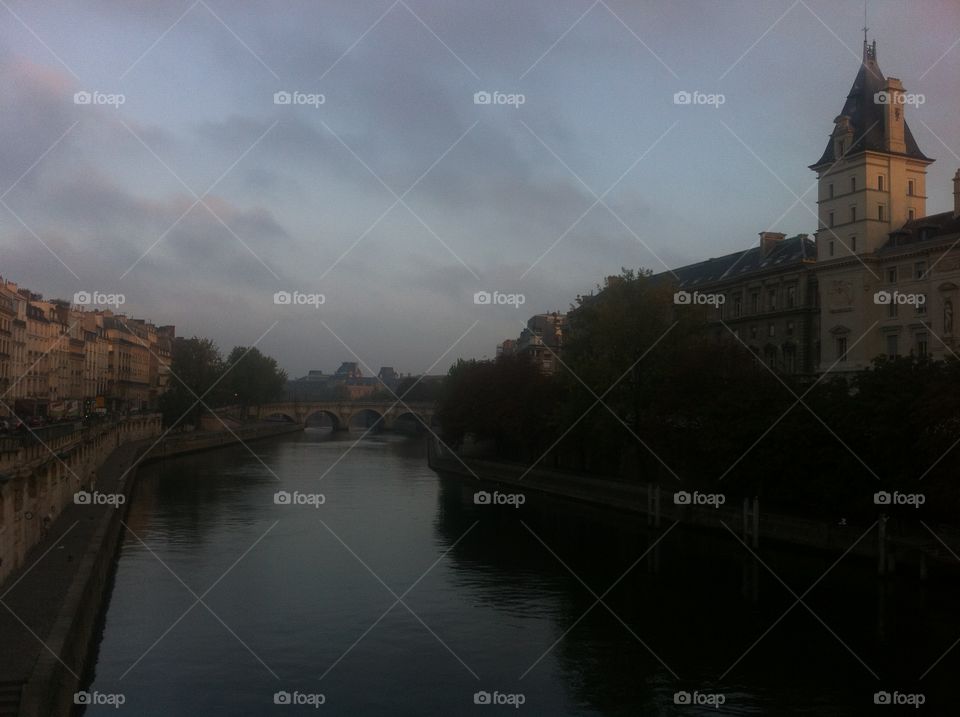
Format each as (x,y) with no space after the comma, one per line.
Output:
(32,597)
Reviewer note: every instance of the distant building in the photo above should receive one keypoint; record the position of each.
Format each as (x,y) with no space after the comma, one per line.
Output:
(348,370)
(388,378)
(541,341)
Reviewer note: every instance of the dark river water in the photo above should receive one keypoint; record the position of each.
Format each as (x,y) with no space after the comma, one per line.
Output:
(298,608)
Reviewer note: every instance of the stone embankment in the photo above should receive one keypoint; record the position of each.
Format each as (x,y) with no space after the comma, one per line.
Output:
(63,503)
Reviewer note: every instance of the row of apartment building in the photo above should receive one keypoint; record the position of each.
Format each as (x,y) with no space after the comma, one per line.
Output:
(60,360)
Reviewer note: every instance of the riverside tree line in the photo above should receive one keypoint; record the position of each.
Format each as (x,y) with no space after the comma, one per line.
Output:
(200,376)
(649,391)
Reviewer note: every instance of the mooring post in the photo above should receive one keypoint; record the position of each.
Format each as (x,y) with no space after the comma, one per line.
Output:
(656,515)
(746,523)
(882,545)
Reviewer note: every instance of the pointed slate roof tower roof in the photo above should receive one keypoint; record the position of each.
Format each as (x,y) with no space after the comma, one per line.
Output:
(865,115)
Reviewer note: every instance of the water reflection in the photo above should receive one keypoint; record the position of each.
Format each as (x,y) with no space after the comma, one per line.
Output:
(300,598)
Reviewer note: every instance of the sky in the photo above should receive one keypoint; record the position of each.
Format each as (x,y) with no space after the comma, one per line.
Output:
(387,189)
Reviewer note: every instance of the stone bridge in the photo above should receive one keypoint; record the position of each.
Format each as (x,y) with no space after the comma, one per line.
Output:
(342,413)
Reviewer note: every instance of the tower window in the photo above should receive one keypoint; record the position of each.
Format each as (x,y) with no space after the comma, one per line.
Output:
(831,247)
(830,190)
(853,184)
(831,218)
(911,215)
(880,213)
(910,187)
(880,183)
(853,214)
(853,244)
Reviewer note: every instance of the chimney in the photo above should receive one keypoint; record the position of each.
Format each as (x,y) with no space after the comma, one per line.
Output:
(769,240)
(956,195)
(891,100)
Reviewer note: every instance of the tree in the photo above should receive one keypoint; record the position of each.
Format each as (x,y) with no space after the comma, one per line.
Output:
(253,378)
(507,401)
(195,367)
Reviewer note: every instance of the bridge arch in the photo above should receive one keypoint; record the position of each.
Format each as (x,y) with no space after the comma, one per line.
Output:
(281,414)
(371,419)
(410,419)
(334,418)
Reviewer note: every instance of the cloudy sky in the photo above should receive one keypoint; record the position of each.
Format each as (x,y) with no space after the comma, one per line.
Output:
(398,197)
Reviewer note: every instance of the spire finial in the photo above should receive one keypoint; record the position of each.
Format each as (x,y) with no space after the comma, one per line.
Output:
(865,29)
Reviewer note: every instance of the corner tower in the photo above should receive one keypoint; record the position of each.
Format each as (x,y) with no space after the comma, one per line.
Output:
(872,174)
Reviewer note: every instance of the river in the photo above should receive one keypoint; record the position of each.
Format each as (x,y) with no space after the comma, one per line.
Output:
(395,594)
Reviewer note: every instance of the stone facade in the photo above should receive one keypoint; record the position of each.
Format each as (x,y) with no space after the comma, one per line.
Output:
(62,360)
(881,276)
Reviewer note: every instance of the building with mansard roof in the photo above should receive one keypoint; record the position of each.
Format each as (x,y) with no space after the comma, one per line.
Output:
(880,277)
